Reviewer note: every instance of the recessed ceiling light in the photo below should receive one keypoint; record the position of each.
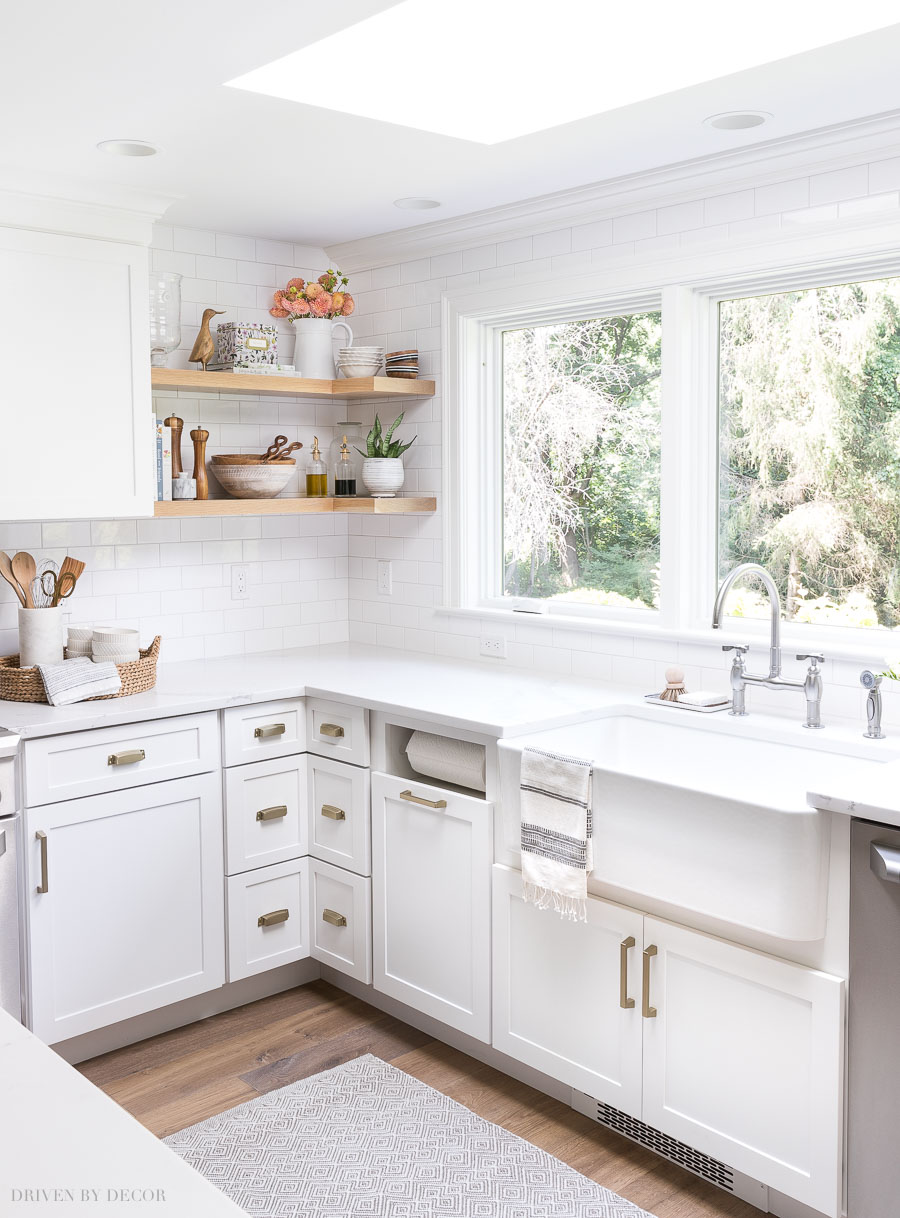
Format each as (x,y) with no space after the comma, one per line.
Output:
(414,204)
(738,120)
(127,148)
(533,65)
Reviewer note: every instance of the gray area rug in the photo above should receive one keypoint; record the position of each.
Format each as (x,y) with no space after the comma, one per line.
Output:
(366,1140)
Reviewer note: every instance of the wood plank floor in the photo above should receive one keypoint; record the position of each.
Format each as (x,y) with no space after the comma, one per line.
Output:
(181,1077)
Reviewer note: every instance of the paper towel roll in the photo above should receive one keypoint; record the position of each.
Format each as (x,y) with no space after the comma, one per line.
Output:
(456,761)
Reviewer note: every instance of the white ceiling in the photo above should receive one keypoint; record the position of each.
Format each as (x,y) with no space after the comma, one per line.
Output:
(72,75)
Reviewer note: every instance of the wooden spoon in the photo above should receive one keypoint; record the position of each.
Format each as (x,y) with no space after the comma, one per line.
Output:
(6,572)
(24,569)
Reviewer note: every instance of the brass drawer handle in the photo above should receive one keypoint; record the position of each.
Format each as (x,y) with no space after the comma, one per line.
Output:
(336,919)
(625,1002)
(273,918)
(270,729)
(44,885)
(647,1010)
(129,757)
(331,729)
(333,813)
(272,813)
(427,803)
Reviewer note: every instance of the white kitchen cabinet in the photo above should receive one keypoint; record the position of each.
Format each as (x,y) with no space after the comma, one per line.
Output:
(264,730)
(340,922)
(567,994)
(265,813)
(744,1060)
(76,427)
(338,730)
(268,918)
(431,878)
(126,903)
(339,825)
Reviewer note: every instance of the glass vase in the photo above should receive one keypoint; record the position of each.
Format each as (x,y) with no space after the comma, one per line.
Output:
(165,316)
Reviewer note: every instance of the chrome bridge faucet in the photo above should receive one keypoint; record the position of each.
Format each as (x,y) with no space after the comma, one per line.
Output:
(740,678)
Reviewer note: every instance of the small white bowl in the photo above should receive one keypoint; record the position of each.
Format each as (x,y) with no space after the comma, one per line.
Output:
(116,634)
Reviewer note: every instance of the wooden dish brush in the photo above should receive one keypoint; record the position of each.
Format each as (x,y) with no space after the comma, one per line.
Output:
(674,685)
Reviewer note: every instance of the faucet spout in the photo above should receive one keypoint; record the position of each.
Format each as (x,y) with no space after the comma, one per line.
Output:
(757,572)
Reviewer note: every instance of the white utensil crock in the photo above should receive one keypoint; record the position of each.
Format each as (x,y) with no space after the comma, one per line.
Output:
(40,636)
(313,347)
(383,476)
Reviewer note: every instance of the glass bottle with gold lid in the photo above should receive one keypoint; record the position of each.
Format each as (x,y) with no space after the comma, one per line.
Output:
(350,433)
(344,473)
(316,474)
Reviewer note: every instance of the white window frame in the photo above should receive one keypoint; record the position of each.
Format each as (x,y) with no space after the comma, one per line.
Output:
(687,288)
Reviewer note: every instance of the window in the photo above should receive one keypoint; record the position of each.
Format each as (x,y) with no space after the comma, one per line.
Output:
(809,450)
(581,462)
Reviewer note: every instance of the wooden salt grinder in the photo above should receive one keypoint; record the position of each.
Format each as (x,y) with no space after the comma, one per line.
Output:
(176,425)
(199,436)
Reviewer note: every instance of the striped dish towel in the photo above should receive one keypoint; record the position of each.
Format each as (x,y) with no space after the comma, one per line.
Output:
(557,851)
(77,679)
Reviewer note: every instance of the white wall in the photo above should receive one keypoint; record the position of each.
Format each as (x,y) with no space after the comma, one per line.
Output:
(399,306)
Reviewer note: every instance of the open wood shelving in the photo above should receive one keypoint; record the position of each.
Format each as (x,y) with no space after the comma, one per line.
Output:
(293,506)
(263,385)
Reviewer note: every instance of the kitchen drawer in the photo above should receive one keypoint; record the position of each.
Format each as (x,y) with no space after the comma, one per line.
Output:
(341,919)
(336,730)
(265,813)
(279,893)
(82,763)
(268,729)
(339,825)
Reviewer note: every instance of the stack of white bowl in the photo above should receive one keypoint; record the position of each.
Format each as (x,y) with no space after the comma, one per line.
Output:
(115,645)
(79,641)
(360,361)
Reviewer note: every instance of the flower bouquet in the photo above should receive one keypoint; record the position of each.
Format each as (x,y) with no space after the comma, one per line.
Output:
(326,298)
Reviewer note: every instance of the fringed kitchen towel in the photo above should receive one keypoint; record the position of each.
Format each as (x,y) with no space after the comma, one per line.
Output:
(557,851)
(77,679)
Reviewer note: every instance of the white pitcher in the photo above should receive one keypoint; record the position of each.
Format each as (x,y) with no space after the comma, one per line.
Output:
(314,350)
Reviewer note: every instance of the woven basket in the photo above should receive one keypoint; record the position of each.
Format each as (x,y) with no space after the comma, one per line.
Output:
(25,684)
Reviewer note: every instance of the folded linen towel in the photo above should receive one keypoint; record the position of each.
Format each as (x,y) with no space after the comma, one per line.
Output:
(78,679)
(557,847)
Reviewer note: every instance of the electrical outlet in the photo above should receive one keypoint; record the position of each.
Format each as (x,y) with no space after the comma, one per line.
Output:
(493,645)
(240,580)
(385,579)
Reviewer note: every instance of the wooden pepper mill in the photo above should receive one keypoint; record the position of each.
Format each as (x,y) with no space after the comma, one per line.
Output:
(176,425)
(199,436)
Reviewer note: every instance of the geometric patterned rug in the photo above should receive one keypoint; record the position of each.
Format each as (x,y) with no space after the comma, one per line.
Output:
(366,1140)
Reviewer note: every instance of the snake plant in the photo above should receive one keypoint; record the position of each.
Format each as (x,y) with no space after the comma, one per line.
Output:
(380,444)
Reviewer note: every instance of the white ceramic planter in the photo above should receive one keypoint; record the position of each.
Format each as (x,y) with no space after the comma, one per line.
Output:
(383,476)
(313,346)
(40,636)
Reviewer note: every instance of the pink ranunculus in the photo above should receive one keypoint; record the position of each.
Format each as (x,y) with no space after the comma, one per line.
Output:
(299,284)
(279,312)
(298,308)
(348,306)
(279,299)
(313,290)
(321,306)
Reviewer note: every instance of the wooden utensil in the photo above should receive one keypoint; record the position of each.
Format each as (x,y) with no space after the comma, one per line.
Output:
(6,572)
(73,567)
(280,448)
(24,568)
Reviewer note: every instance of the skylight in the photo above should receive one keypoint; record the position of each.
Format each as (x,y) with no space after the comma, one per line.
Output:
(493,70)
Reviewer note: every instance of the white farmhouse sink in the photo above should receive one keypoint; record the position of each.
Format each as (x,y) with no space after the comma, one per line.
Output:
(709,813)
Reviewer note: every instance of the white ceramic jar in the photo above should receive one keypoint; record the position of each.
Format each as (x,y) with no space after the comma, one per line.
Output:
(40,636)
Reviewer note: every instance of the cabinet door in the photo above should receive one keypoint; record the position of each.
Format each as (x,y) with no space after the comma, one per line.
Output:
(339,827)
(340,921)
(431,876)
(744,1060)
(133,913)
(566,994)
(268,918)
(74,445)
(265,813)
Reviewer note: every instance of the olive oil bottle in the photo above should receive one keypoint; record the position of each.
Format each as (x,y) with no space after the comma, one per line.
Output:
(316,474)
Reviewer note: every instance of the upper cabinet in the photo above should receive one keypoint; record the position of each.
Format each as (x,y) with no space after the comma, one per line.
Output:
(74,318)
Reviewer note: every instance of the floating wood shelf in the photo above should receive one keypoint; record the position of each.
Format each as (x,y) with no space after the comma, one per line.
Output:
(262,385)
(290,507)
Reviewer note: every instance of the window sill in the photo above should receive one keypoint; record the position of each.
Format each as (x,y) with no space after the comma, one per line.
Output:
(856,649)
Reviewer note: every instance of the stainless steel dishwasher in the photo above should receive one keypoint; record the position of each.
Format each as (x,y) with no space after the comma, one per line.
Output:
(873,1110)
(10,888)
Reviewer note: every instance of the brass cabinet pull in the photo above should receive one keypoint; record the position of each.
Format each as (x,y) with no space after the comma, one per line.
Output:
(427,803)
(273,918)
(336,919)
(272,813)
(129,757)
(625,1002)
(647,1010)
(333,813)
(331,729)
(44,885)
(270,729)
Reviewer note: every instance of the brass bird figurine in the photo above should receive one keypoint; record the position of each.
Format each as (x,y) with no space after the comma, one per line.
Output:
(205,346)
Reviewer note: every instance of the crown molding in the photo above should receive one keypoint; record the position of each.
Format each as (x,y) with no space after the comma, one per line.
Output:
(49,203)
(825,149)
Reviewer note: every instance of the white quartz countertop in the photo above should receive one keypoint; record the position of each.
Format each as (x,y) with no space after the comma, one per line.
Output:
(496,702)
(67,1148)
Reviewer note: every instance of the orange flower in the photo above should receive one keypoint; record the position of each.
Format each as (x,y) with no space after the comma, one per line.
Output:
(321,306)
(299,284)
(279,312)
(348,306)
(313,290)
(337,301)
